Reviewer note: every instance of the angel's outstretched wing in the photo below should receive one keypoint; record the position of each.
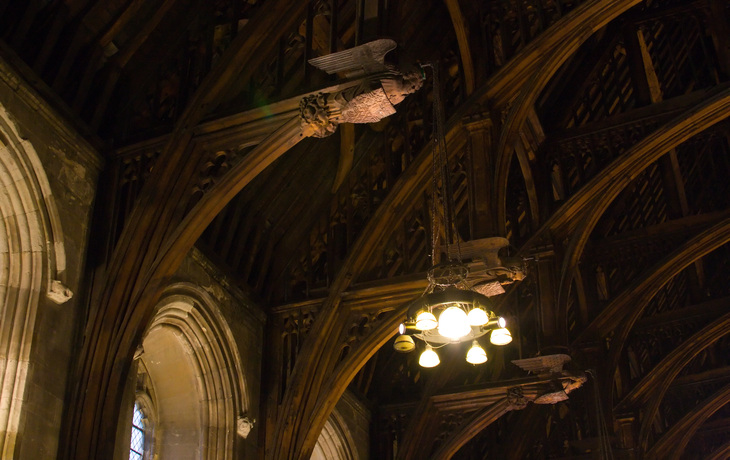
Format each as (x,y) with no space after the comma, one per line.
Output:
(358,61)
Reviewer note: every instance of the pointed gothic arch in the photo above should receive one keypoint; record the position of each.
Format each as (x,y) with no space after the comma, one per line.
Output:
(192,360)
(32,266)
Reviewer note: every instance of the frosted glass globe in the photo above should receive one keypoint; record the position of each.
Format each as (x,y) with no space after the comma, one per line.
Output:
(453,323)
(476,354)
(501,336)
(425,321)
(477,317)
(429,358)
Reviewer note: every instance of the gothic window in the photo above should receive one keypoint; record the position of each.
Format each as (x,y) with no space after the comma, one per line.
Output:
(136,445)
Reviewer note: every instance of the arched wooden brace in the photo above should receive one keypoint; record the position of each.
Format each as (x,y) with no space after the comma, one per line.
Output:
(473,427)
(565,38)
(651,390)
(308,401)
(589,204)
(461,29)
(721,453)
(417,439)
(628,306)
(672,364)
(674,441)
(318,380)
(140,265)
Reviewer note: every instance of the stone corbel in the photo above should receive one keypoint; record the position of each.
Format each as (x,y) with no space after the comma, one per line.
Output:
(244,425)
(59,293)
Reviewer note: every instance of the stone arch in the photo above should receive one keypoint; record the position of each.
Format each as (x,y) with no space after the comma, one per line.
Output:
(32,265)
(193,363)
(335,442)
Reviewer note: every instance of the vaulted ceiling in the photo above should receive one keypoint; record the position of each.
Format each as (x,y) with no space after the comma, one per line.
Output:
(592,134)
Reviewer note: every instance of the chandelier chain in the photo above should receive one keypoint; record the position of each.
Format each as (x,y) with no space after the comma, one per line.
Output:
(441,165)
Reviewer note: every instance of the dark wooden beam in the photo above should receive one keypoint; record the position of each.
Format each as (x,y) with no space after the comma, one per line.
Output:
(709,309)
(568,39)
(675,229)
(596,195)
(720,32)
(650,391)
(151,247)
(721,453)
(461,29)
(674,441)
(626,308)
(480,421)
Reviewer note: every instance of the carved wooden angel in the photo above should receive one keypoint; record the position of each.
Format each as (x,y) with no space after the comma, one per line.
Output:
(373,99)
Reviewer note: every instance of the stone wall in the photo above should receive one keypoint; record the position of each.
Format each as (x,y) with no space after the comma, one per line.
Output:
(57,172)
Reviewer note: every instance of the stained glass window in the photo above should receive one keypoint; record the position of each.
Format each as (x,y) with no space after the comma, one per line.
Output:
(136,446)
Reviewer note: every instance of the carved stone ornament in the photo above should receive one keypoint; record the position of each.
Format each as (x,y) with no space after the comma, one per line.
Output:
(516,398)
(244,425)
(59,293)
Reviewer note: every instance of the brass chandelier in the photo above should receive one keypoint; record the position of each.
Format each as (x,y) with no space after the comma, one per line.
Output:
(449,311)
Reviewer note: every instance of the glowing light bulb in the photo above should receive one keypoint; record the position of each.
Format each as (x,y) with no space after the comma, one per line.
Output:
(501,336)
(476,354)
(425,321)
(477,317)
(429,358)
(453,323)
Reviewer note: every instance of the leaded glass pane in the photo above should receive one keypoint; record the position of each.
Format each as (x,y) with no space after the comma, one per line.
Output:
(136,444)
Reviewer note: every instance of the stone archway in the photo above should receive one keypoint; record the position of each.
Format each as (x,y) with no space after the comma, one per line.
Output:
(32,265)
(191,358)
(334,441)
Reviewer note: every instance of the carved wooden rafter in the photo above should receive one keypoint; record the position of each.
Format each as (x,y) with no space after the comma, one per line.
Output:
(486,403)
(600,191)
(722,452)
(704,243)
(325,334)
(672,365)
(591,16)
(621,307)
(674,441)
(461,28)
(471,428)
(142,263)
(650,391)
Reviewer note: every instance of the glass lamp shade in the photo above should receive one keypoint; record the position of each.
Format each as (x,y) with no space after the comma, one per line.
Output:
(425,321)
(476,354)
(477,317)
(453,323)
(501,322)
(501,336)
(429,358)
(404,344)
